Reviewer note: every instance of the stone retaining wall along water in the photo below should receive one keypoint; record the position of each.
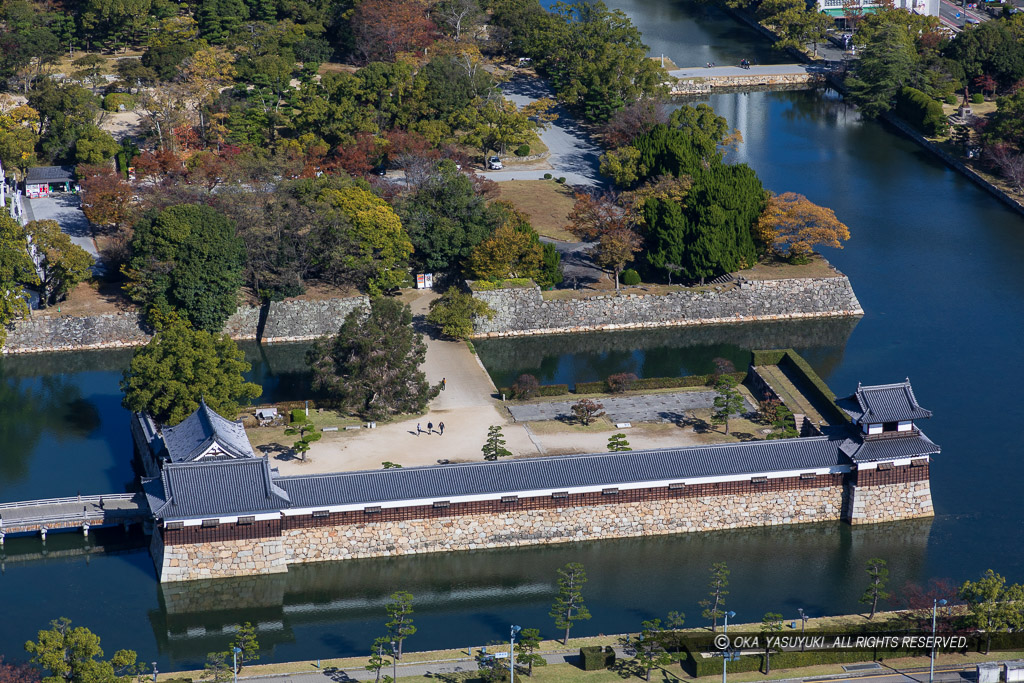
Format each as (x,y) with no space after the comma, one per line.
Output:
(289,320)
(523,311)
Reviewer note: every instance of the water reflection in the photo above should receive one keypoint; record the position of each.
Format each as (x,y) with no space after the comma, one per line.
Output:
(669,352)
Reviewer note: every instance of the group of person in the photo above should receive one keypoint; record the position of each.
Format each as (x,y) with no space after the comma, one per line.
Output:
(430,428)
(744,63)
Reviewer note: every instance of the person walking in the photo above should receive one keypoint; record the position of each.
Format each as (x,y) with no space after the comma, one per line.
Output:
(444,383)
(440,426)
(430,427)
(419,430)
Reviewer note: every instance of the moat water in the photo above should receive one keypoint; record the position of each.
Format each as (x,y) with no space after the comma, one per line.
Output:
(934,261)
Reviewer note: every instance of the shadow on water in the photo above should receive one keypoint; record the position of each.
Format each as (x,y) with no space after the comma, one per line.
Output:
(668,352)
(455,592)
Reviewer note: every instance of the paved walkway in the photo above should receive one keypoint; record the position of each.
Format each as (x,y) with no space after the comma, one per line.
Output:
(753,72)
(66,209)
(675,407)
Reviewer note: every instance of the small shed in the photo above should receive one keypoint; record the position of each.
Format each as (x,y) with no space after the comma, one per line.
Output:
(1014,671)
(40,181)
(266,416)
(989,672)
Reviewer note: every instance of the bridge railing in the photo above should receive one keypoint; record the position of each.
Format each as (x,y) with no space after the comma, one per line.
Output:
(70,499)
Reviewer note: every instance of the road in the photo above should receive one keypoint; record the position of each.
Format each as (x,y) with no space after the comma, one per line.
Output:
(954,16)
(66,209)
(438,669)
(572,152)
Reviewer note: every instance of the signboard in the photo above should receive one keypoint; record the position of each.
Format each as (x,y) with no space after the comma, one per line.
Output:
(501,655)
(424,281)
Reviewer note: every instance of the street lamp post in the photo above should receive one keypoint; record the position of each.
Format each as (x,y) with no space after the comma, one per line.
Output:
(725,652)
(931,668)
(394,661)
(154,672)
(234,661)
(512,654)
(803,624)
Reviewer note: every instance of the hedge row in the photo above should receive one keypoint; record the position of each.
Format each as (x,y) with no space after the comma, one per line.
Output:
(595,657)
(649,383)
(710,666)
(921,111)
(542,390)
(488,285)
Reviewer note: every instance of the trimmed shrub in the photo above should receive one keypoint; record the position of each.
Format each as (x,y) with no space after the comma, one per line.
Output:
(630,277)
(648,383)
(547,176)
(299,415)
(525,386)
(595,657)
(977,98)
(621,382)
(921,111)
(542,390)
(523,150)
(487,285)
(951,98)
(113,101)
(561,181)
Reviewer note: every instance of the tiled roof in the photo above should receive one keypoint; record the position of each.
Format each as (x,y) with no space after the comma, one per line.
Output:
(861,449)
(561,472)
(884,403)
(50,174)
(200,430)
(208,489)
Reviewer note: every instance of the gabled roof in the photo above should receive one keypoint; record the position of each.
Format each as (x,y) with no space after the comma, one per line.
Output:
(860,449)
(210,489)
(195,434)
(50,174)
(561,472)
(883,403)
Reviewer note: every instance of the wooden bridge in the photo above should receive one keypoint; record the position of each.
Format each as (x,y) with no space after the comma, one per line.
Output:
(77,512)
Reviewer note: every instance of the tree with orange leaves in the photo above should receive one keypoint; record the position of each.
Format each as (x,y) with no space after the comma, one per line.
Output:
(601,219)
(792,225)
(106,196)
(383,28)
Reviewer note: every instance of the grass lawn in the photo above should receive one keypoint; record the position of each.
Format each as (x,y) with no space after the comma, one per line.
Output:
(546,203)
(780,270)
(601,424)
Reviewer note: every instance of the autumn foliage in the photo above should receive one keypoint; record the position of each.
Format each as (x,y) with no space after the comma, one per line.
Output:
(383,28)
(106,196)
(602,220)
(792,226)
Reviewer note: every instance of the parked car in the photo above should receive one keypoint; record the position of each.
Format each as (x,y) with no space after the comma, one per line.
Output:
(494,163)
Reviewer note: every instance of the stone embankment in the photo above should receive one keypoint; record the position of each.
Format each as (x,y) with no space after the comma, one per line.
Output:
(524,311)
(289,320)
(698,84)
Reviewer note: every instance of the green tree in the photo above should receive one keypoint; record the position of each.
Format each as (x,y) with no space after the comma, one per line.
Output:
(399,625)
(718,588)
(888,63)
(217,668)
(455,311)
(526,650)
(371,367)
(771,623)
(783,424)
(63,263)
(378,661)
(587,410)
(179,367)
(16,268)
(494,446)
(245,640)
(728,402)
(188,258)
(618,443)
(992,605)
(445,219)
(569,607)
(94,146)
(65,110)
(878,575)
(650,647)
(74,655)
(307,434)
(507,253)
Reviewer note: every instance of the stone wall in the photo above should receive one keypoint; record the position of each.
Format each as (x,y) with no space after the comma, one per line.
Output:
(521,311)
(874,504)
(222,559)
(688,86)
(515,527)
(289,320)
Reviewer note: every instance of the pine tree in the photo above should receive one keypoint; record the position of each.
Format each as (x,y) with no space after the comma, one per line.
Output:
(729,401)
(617,443)
(568,607)
(245,640)
(400,626)
(714,605)
(879,577)
(494,447)
(772,623)
(526,650)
